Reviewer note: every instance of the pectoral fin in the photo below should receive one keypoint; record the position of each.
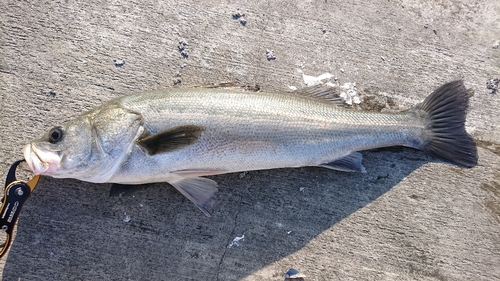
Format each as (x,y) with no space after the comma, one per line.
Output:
(201,191)
(349,163)
(171,139)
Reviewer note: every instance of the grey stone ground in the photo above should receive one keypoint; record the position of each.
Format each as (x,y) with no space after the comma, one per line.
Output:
(411,217)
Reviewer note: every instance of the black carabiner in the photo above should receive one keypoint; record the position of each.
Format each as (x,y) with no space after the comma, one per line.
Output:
(15,195)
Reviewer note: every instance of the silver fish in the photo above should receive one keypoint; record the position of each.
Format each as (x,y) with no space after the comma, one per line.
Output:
(179,135)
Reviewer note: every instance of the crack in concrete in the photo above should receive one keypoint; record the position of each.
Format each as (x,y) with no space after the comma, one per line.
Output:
(229,239)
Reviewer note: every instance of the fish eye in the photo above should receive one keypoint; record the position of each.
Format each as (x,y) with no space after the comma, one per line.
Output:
(55,134)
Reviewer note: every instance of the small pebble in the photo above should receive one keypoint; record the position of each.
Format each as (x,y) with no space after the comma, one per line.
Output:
(291,272)
(183,48)
(118,63)
(492,85)
(238,15)
(294,274)
(270,55)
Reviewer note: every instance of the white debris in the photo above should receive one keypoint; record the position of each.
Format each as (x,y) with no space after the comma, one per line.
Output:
(127,218)
(316,80)
(301,189)
(293,88)
(350,95)
(236,241)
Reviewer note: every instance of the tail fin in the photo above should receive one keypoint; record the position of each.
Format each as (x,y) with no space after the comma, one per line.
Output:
(446,108)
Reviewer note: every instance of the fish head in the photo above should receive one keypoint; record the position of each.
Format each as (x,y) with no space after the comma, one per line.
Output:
(88,147)
(62,150)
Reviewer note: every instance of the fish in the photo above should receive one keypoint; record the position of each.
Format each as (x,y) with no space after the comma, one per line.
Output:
(178,136)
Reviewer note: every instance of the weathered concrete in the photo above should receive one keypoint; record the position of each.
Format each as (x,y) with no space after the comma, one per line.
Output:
(410,217)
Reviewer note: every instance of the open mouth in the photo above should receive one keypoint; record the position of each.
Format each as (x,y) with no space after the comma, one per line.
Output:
(39,160)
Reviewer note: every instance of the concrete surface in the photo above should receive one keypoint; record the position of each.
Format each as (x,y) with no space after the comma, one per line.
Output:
(411,217)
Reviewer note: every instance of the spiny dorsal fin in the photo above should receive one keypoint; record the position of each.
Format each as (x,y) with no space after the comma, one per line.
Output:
(213,85)
(227,86)
(321,92)
(171,139)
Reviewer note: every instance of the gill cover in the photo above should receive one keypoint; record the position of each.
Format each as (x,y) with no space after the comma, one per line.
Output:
(114,130)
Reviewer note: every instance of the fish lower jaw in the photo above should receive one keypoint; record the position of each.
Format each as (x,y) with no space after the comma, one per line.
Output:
(34,156)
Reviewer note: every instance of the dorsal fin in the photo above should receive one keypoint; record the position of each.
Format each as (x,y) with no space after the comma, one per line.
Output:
(321,92)
(227,86)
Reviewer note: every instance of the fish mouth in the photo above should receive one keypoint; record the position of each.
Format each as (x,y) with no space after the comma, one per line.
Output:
(39,160)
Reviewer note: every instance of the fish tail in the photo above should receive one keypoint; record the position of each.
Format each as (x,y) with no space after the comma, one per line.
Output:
(445,134)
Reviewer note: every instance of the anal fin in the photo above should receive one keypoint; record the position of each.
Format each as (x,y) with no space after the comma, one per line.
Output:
(201,191)
(349,163)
